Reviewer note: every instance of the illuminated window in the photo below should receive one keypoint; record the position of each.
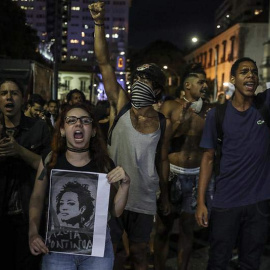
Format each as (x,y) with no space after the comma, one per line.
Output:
(74,41)
(257,11)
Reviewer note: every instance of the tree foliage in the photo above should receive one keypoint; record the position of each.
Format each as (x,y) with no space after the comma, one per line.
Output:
(159,52)
(18,40)
(162,53)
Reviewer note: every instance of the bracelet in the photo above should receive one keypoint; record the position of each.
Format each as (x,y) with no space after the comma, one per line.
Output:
(99,24)
(126,181)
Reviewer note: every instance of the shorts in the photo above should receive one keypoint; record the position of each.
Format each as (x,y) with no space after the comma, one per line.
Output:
(116,228)
(183,185)
(138,227)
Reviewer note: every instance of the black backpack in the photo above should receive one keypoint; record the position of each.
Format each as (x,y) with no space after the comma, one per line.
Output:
(162,121)
(220,114)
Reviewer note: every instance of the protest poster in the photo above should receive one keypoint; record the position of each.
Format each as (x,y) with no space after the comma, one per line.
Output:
(77,212)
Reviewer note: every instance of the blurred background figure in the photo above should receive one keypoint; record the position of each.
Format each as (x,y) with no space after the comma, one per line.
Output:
(34,106)
(229,90)
(53,109)
(75,96)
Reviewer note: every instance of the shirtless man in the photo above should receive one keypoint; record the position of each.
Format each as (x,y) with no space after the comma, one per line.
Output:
(187,117)
(134,142)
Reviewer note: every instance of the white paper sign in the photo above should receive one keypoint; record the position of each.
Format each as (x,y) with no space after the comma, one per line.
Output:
(77,212)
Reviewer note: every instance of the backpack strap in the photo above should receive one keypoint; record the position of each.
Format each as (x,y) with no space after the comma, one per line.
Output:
(46,161)
(122,111)
(162,121)
(259,101)
(219,115)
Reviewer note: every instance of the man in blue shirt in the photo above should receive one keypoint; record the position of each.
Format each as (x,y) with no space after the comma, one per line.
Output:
(240,209)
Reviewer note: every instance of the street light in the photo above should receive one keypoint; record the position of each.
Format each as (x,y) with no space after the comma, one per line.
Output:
(174,72)
(195,40)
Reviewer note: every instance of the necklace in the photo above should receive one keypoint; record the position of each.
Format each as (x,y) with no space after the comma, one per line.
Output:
(12,132)
(186,99)
(77,150)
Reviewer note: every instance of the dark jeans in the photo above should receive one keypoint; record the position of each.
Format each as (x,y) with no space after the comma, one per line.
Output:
(15,251)
(245,227)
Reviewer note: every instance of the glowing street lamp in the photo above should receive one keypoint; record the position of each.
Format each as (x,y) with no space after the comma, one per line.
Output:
(194,40)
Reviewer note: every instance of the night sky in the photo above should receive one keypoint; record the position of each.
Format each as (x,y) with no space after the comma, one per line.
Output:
(171,20)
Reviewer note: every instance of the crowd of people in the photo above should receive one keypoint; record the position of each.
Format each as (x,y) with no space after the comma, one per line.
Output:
(160,158)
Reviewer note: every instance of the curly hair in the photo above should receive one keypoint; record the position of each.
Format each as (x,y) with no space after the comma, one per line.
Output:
(84,198)
(97,146)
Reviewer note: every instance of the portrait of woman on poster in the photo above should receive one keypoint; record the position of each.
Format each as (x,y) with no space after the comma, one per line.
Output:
(75,206)
(77,145)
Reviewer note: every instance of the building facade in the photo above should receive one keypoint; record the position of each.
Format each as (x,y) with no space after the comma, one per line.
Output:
(231,12)
(218,54)
(66,32)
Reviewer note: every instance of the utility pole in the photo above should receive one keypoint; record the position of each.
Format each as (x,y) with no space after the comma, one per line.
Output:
(215,80)
(56,51)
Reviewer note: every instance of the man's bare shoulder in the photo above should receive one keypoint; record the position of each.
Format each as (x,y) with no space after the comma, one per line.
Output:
(170,107)
(172,104)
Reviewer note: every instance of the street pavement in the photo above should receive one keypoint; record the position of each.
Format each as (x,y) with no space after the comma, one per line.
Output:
(199,255)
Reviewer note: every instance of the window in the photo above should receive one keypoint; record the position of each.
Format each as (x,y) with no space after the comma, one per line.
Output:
(217,53)
(83,82)
(210,57)
(224,43)
(205,59)
(82,86)
(67,84)
(231,55)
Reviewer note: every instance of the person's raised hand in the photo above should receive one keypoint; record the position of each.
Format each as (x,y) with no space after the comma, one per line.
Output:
(97,11)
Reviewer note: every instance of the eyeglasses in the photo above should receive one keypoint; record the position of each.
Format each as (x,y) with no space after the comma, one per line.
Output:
(85,120)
